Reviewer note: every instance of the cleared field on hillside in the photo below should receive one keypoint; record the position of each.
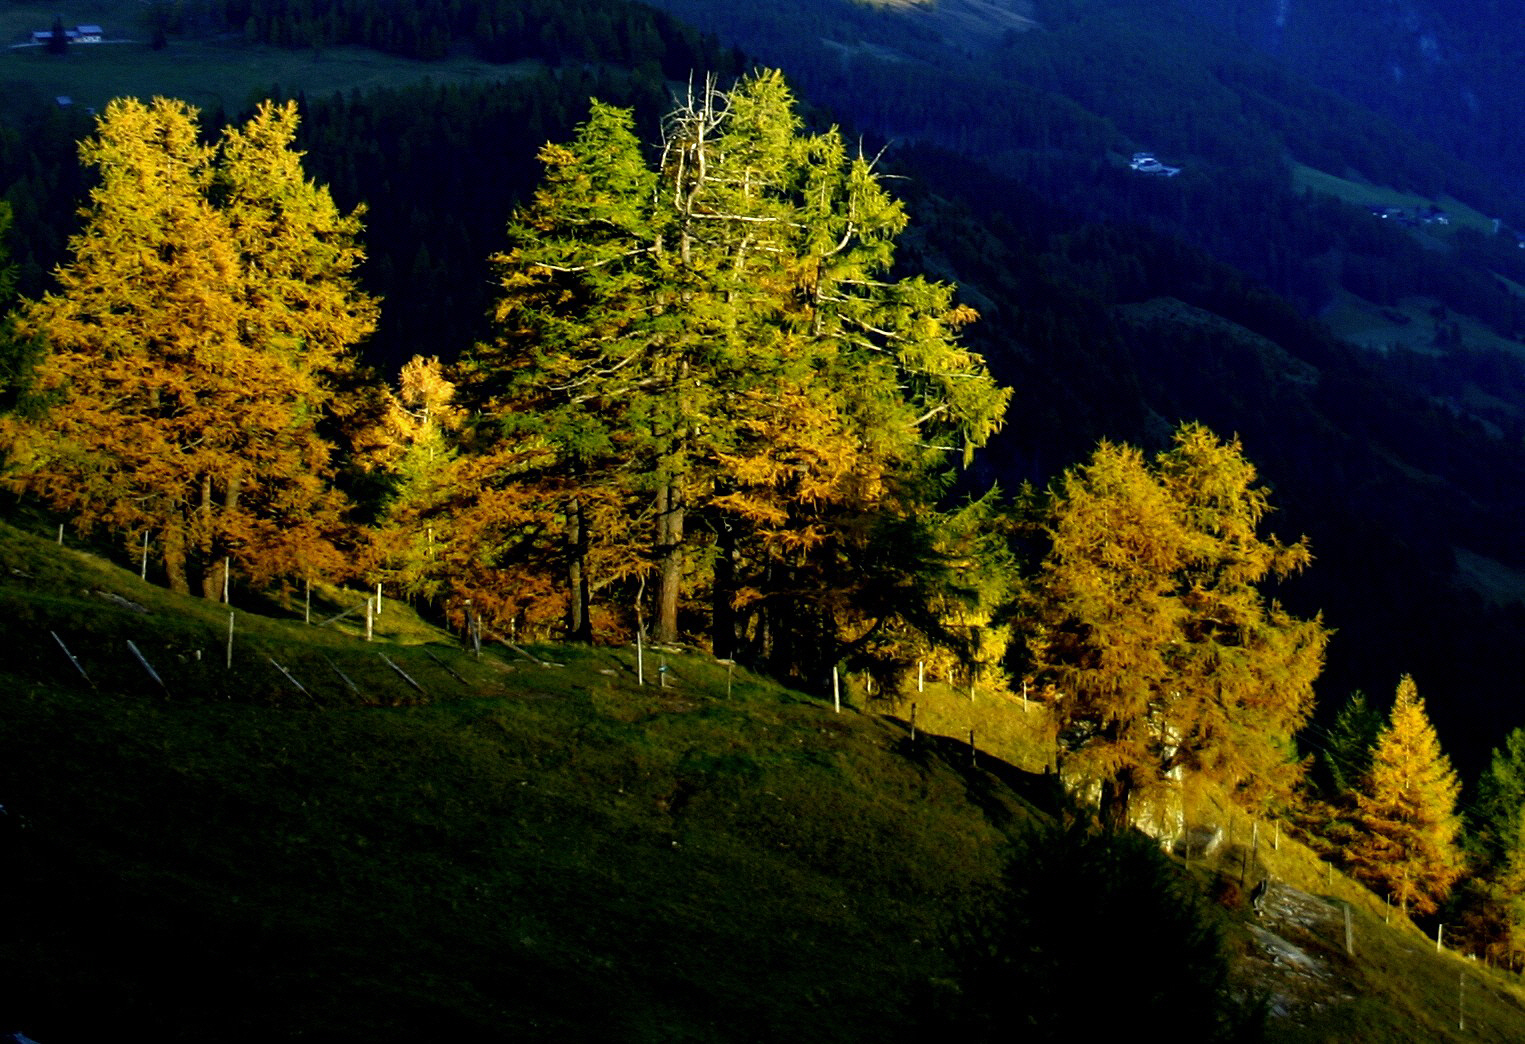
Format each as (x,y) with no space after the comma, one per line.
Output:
(225,72)
(1307,179)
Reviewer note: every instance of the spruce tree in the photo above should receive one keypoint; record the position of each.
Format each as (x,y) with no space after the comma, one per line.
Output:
(715,336)
(1494,900)
(1407,844)
(1348,746)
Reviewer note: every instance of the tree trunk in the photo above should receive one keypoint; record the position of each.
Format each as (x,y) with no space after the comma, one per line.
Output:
(670,561)
(211,580)
(214,580)
(1115,796)
(722,610)
(579,597)
(174,557)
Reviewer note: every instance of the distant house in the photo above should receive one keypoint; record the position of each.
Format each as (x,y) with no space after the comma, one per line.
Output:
(1146,163)
(83,34)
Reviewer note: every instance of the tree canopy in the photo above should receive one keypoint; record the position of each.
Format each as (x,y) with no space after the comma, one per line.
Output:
(712,335)
(189,353)
(1406,808)
(1146,623)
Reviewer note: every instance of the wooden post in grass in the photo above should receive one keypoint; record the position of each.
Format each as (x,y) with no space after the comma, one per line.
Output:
(143,661)
(369,618)
(1440,933)
(1024,695)
(230,642)
(72,660)
(227,569)
(378,597)
(921,675)
(913,721)
(730,669)
(403,674)
(1350,937)
(1461,1002)
(640,658)
(342,676)
(1250,853)
(143,570)
(307,601)
(290,677)
(836,690)
(1276,838)
(1387,909)
(60,534)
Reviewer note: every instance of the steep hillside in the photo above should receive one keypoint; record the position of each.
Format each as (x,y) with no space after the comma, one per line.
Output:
(521,849)
(532,845)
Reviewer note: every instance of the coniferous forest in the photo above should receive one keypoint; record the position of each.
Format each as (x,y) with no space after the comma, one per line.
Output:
(828,371)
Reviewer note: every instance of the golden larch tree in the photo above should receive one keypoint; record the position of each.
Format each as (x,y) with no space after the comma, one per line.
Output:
(190,348)
(1406,810)
(1147,625)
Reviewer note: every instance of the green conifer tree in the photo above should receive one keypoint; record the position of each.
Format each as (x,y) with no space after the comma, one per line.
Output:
(1493,903)
(717,336)
(1347,752)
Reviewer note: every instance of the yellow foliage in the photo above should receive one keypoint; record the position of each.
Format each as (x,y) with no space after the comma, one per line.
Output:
(191,343)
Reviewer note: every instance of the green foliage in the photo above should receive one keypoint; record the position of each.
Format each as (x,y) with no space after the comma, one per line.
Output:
(1501,801)
(1491,903)
(716,339)
(1346,756)
(1032,969)
(15,358)
(7,266)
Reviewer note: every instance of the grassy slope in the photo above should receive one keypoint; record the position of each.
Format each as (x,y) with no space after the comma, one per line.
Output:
(206,73)
(538,851)
(1310,180)
(529,851)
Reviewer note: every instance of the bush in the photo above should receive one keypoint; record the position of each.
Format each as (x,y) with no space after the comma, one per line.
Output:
(1095,934)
